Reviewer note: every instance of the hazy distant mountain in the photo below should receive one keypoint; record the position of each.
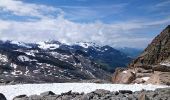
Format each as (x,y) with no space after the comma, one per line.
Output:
(131,52)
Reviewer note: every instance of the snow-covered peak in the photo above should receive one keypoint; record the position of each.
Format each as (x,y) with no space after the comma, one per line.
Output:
(86,44)
(20,44)
(48,45)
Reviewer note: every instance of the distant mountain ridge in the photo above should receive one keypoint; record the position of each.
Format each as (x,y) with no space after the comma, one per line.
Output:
(52,61)
(131,52)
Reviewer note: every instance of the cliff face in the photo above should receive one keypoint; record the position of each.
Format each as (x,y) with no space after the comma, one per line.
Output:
(157,51)
(152,66)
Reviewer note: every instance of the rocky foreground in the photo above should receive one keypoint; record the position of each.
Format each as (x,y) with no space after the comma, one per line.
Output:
(158,94)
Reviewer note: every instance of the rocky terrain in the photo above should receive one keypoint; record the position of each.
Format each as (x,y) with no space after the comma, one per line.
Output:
(158,94)
(52,61)
(152,66)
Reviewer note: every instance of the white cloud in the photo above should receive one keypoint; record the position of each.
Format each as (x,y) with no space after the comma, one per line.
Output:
(24,9)
(67,31)
(158,8)
(163,3)
(62,29)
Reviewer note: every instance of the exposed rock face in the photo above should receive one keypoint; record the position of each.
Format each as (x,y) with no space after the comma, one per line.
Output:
(158,94)
(152,66)
(156,52)
(140,75)
(127,76)
(124,77)
(159,78)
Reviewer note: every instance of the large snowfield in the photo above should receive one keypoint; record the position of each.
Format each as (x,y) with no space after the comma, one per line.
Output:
(11,91)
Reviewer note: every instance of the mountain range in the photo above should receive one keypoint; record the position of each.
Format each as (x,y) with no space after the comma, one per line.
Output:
(52,61)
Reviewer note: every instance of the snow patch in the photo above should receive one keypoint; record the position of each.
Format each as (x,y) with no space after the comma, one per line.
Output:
(62,57)
(30,53)
(13,65)
(166,63)
(23,58)
(5,72)
(90,73)
(145,78)
(20,44)
(105,49)
(125,72)
(27,72)
(85,44)
(16,72)
(36,71)
(3,58)
(44,45)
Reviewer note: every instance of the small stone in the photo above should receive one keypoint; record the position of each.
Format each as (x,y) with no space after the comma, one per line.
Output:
(125,91)
(2,97)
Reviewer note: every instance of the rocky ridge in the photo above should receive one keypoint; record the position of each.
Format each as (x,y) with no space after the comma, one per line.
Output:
(152,66)
(157,52)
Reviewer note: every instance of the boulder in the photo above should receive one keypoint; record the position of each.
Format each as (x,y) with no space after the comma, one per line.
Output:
(125,91)
(35,97)
(87,96)
(67,93)
(21,97)
(2,97)
(123,77)
(51,97)
(101,92)
(132,97)
(116,74)
(47,93)
(66,97)
(143,96)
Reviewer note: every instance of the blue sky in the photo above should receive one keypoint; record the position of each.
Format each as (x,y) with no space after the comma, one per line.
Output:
(118,23)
